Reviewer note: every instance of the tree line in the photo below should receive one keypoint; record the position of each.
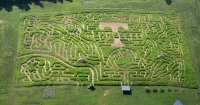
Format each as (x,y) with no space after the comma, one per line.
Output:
(24,4)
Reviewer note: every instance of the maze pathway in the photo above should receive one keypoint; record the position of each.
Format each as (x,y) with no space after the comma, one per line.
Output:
(121,47)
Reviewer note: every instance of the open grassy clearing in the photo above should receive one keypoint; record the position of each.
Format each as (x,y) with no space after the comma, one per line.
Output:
(7,52)
(121,47)
(8,33)
(187,9)
(104,95)
(1,37)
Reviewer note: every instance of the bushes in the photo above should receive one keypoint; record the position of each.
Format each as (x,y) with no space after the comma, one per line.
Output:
(121,29)
(148,90)
(155,90)
(20,75)
(71,29)
(162,90)
(79,79)
(107,29)
(48,83)
(169,90)
(107,83)
(110,79)
(141,83)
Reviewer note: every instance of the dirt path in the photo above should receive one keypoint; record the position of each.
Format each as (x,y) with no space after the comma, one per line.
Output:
(117,42)
(92,75)
(105,93)
(26,72)
(45,69)
(100,72)
(43,55)
(102,54)
(104,97)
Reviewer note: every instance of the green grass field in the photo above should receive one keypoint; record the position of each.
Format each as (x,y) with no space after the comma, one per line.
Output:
(187,11)
(103,95)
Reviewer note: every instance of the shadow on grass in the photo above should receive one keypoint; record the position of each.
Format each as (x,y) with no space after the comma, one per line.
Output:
(70,0)
(127,92)
(169,2)
(25,4)
(93,89)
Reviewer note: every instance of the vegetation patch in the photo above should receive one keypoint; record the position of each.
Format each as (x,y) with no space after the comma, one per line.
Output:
(90,2)
(6,56)
(2,82)
(152,50)
(1,35)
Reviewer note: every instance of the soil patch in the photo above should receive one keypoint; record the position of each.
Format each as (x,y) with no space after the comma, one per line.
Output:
(105,93)
(113,25)
(117,42)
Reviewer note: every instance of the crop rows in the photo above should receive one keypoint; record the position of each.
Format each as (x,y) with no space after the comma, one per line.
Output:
(120,47)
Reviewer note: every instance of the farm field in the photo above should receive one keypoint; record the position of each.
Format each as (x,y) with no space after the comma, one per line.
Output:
(121,47)
(25,27)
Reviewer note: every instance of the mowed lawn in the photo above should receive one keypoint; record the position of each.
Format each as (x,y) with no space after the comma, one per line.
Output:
(189,12)
(103,95)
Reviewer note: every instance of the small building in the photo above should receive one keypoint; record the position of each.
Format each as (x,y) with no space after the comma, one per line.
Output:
(177,103)
(126,88)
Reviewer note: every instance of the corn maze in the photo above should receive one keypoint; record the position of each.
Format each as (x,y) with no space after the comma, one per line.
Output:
(121,47)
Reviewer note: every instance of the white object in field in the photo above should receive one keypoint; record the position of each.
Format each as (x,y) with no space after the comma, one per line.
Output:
(161,56)
(83,60)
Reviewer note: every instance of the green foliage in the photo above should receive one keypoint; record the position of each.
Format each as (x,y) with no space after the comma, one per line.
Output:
(124,60)
(107,29)
(107,83)
(148,90)
(169,90)
(162,90)
(121,29)
(8,36)
(155,90)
